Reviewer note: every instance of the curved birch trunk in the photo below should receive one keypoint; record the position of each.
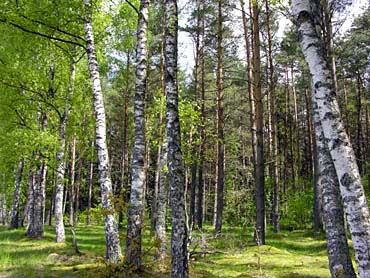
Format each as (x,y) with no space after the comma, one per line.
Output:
(113,249)
(341,151)
(340,262)
(14,223)
(59,186)
(136,208)
(175,166)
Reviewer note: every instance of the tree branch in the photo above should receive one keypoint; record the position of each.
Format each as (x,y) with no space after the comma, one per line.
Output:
(24,29)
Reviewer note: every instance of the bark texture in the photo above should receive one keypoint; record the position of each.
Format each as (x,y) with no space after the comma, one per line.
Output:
(259,169)
(340,262)
(160,223)
(175,166)
(341,151)
(136,208)
(35,227)
(14,222)
(219,197)
(60,162)
(113,249)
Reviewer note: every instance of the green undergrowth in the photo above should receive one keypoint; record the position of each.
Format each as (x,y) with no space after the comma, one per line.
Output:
(232,254)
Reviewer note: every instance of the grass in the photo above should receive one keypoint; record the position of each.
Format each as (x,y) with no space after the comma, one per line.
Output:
(233,254)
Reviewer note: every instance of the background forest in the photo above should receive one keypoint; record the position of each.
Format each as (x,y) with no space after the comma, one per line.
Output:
(86,132)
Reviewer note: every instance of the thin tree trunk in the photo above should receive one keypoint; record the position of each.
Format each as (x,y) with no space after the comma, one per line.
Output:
(219,197)
(179,238)
(341,151)
(29,200)
(14,223)
(274,146)
(160,224)
(72,181)
(359,141)
(202,136)
(60,161)
(133,255)
(259,173)
(124,188)
(90,191)
(113,249)
(77,193)
(35,227)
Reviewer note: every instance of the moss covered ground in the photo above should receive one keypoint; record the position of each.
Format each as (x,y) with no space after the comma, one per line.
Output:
(232,254)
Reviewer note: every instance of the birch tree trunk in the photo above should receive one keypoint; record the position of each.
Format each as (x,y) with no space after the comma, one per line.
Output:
(72,180)
(179,238)
(90,189)
(341,151)
(136,208)
(202,134)
(160,223)
(340,262)
(113,249)
(14,223)
(60,161)
(29,199)
(35,227)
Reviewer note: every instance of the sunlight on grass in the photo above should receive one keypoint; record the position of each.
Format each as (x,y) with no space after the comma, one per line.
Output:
(233,254)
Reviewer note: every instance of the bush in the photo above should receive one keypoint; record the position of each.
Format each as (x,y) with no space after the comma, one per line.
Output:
(299,213)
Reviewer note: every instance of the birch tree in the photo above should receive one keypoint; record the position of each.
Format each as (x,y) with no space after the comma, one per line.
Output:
(340,148)
(136,209)
(113,249)
(17,191)
(179,238)
(340,263)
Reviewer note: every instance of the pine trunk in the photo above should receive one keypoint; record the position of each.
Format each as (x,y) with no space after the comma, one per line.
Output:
(259,172)
(219,197)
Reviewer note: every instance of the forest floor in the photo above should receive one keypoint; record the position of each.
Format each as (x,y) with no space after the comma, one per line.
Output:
(233,254)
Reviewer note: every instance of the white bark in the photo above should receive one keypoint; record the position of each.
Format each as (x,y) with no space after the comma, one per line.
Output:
(17,190)
(59,187)
(161,203)
(176,171)
(113,249)
(341,151)
(136,209)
